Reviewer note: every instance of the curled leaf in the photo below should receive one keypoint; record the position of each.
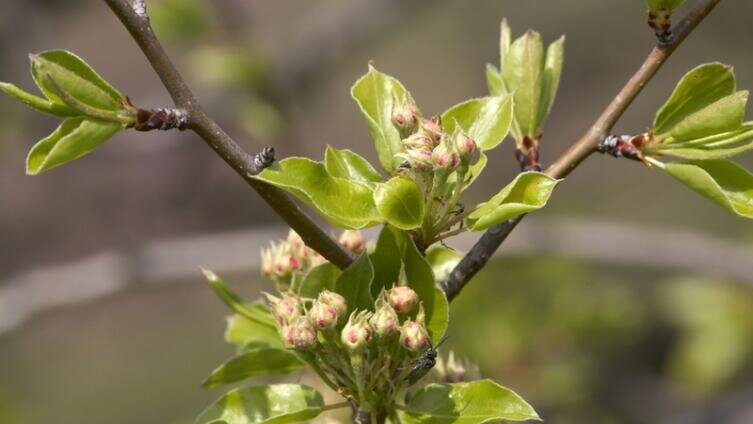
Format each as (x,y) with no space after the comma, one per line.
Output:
(253,363)
(274,403)
(400,202)
(486,120)
(529,191)
(721,181)
(74,138)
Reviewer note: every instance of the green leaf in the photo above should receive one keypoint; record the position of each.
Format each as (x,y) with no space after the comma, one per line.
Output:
(256,313)
(477,402)
(656,5)
(400,202)
(442,261)
(699,88)
(244,332)
(354,284)
(317,279)
(523,74)
(486,120)
(75,77)
(726,114)
(555,56)
(494,81)
(253,363)
(421,279)
(375,94)
(505,39)
(529,191)
(345,203)
(74,138)
(717,146)
(721,181)
(271,404)
(387,258)
(36,102)
(349,165)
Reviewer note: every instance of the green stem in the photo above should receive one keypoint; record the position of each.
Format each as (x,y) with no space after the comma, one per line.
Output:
(336,406)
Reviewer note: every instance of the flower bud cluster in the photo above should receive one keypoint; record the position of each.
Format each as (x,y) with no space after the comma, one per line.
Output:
(290,257)
(298,327)
(452,370)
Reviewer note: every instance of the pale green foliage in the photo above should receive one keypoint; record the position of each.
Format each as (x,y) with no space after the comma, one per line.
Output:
(270,404)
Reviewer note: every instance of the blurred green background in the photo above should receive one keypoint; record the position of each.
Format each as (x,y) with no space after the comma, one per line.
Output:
(104,317)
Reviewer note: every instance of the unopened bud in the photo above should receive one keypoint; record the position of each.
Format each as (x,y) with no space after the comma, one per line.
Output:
(334,300)
(421,314)
(296,246)
(278,261)
(385,320)
(353,240)
(466,148)
(303,334)
(405,115)
(357,332)
(419,141)
(414,337)
(418,159)
(455,370)
(315,259)
(444,157)
(322,316)
(286,309)
(402,299)
(433,128)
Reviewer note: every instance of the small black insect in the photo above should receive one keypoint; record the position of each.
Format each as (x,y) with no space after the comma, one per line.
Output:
(424,363)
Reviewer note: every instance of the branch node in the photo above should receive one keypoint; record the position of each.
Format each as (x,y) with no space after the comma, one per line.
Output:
(161,118)
(264,159)
(139,8)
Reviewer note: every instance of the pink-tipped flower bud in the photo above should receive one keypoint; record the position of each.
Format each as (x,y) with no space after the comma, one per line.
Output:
(433,128)
(405,115)
(279,262)
(322,316)
(357,332)
(418,159)
(296,246)
(334,300)
(466,148)
(414,337)
(353,240)
(286,309)
(444,157)
(421,314)
(315,259)
(402,299)
(287,334)
(303,334)
(385,320)
(419,141)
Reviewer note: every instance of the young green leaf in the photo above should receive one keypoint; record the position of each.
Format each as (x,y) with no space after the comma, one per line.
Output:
(349,165)
(529,191)
(74,138)
(699,88)
(38,103)
(555,56)
(73,76)
(400,202)
(494,81)
(656,5)
(243,332)
(420,278)
(234,302)
(505,39)
(442,261)
(317,279)
(523,74)
(253,363)
(270,404)
(375,94)
(486,120)
(482,401)
(726,114)
(345,203)
(717,146)
(721,181)
(387,258)
(354,284)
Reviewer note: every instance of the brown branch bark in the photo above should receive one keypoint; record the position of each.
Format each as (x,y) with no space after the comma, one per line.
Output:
(480,253)
(132,15)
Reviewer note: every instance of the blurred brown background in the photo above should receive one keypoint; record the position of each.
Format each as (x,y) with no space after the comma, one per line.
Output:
(104,317)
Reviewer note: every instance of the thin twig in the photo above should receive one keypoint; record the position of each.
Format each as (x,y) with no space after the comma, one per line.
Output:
(134,18)
(480,253)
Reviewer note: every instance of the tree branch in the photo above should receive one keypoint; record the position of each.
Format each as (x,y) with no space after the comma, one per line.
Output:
(480,253)
(134,18)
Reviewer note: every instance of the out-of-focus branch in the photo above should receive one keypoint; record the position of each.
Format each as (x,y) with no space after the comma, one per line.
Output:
(584,147)
(133,16)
